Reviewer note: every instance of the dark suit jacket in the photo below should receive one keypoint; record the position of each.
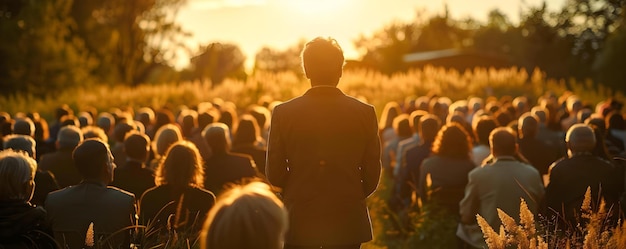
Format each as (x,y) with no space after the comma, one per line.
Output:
(72,209)
(257,154)
(195,205)
(61,165)
(569,179)
(225,168)
(324,151)
(538,153)
(133,177)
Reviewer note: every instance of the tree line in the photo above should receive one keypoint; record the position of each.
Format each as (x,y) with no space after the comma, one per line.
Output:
(49,45)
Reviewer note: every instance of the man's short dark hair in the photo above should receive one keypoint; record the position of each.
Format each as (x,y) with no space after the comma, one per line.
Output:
(503,141)
(90,157)
(136,145)
(428,127)
(528,125)
(322,59)
(483,127)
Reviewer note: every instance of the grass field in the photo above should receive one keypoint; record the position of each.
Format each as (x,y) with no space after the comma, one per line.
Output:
(429,230)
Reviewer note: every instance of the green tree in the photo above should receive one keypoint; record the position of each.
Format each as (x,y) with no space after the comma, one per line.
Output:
(37,52)
(218,61)
(130,39)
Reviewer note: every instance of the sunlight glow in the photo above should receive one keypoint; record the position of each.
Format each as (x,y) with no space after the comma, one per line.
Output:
(218,4)
(316,6)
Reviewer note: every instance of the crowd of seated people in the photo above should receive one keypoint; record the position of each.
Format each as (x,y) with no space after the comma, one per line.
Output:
(117,177)
(552,134)
(164,167)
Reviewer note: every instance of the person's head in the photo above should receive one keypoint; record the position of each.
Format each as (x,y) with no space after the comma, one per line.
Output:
(24,126)
(85,119)
(262,116)
(503,142)
(580,138)
(322,61)
(137,146)
(428,127)
(63,110)
(208,116)
(181,167)
(21,143)
(105,121)
(452,141)
(247,131)
(414,119)
(615,121)
(188,120)
(401,126)
(483,127)
(164,137)
(121,129)
(528,126)
(69,137)
(390,111)
(94,132)
(541,113)
(145,115)
(217,137)
(248,216)
(41,127)
(94,160)
(17,176)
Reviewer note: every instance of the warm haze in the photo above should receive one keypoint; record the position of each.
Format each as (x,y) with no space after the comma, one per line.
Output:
(252,24)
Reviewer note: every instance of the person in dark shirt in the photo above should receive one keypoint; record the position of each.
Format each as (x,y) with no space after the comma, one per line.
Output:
(224,167)
(133,176)
(22,225)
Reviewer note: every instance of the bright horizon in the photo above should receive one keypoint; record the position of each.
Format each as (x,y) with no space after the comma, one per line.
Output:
(278,24)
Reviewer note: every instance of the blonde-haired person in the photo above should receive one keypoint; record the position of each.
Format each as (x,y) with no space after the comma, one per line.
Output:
(179,192)
(22,225)
(164,138)
(248,216)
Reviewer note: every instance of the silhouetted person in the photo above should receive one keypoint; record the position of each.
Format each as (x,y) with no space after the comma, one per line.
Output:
(22,225)
(44,180)
(60,162)
(570,177)
(482,127)
(324,152)
(498,185)
(109,209)
(178,193)
(133,176)
(247,140)
(408,180)
(538,153)
(447,168)
(402,129)
(119,134)
(223,167)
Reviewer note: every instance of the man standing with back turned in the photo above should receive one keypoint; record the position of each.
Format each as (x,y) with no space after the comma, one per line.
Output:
(324,152)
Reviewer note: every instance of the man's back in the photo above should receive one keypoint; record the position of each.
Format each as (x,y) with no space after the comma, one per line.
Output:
(324,152)
(72,209)
(569,179)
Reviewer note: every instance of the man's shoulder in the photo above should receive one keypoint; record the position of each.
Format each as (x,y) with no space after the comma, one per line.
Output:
(120,193)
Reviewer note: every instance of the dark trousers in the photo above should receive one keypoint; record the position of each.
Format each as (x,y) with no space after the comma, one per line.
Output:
(355,246)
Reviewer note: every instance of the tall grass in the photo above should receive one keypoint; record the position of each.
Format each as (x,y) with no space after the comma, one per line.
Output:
(374,87)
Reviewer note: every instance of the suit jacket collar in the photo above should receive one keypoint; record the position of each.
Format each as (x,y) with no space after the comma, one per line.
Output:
(323,90)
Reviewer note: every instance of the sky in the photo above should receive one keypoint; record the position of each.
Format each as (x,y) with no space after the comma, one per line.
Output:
(278,24)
